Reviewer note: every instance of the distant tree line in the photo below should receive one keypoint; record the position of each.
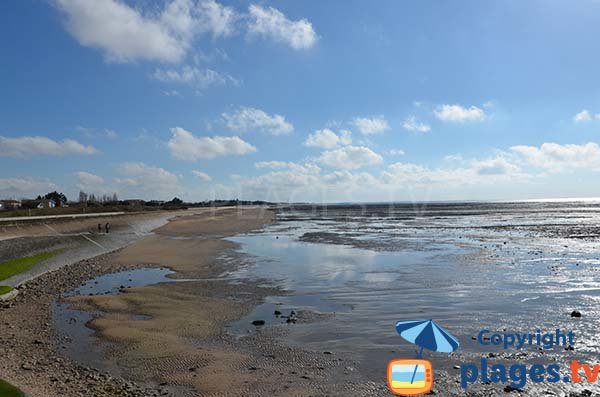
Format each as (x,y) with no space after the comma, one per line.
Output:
(92,198)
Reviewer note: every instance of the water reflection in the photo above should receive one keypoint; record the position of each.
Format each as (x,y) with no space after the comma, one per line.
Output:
(506,270)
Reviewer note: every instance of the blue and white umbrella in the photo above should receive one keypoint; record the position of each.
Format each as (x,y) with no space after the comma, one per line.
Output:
(427,334)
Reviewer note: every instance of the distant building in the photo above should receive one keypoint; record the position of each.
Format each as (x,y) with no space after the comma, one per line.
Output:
(46,203)
(135,203)
(10,204)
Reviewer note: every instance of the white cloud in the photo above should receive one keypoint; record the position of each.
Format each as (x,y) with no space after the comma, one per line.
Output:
(272,164)
(147,182)
(127,34)
(191,75)
(183,145)
(561,158)
(374,125)
(475,172)
(25,187)
(327,139)
(272,23)
(204,177)
(411,124)
(26,146)
(86,179)
(286,181)
(350,157)
(495,166)
(246,119)
(459,114)
(582,116)
(110,134)
(92,183)
(214,18)
(396,152)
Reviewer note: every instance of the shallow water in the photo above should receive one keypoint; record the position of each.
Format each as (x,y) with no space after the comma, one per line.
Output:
(82,345)
(518,268)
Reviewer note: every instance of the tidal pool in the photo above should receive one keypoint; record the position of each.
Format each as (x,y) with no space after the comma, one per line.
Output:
(81,343)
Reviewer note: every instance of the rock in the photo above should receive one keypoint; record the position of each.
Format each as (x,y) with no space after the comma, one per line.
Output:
(328,353)
(258,323)
(277,313)
(576,313)
(509,389)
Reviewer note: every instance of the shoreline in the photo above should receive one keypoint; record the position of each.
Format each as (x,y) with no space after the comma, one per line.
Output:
(181,347)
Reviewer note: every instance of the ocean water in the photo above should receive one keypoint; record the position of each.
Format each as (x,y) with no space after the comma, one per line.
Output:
(506,267)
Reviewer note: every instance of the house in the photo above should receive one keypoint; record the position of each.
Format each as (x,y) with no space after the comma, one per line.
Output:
(135,203)
(10,204)
(46,203)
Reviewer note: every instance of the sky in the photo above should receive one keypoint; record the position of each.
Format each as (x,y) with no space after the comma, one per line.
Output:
(322,101)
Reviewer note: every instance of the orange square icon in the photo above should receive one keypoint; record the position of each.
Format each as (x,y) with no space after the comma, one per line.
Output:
(410,376)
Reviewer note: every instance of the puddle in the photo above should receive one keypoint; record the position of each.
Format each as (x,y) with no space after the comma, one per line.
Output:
(81,343)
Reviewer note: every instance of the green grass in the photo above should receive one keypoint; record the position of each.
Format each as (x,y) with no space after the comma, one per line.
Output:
(16,266)
(5,289)
(8,390)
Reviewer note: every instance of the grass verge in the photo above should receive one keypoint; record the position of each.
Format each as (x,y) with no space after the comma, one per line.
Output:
(16,266)
(5,289)
(8,390)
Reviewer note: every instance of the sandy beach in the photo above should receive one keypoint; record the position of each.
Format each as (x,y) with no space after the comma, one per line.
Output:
(168,338)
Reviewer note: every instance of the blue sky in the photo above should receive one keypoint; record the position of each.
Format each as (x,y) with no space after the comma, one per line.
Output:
(310,101)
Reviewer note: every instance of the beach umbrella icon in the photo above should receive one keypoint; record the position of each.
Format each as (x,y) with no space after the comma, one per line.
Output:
(427,335)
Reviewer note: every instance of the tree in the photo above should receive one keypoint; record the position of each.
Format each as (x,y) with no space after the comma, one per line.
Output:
(176,200)
(59,198)
(83,197)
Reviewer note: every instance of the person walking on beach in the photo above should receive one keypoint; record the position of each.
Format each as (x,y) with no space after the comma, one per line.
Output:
(99,228)
(107,227)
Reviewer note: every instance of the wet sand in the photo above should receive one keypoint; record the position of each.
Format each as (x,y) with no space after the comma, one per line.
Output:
(168,338)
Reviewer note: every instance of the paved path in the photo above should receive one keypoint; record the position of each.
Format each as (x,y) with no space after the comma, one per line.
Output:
(42,217)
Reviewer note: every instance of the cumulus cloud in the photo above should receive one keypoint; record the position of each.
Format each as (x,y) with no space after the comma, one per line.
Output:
(459,113)
(204,177)
(27,146)
(196,77)
(247,119)
(183,145)
(146,181)
(495,166)
(86,179)
(272,23)
(561,158)
(411,124)
(350,157)
(327,139)
(373,125)
(127,34)
(582,116)
(25,187)
(288,181)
